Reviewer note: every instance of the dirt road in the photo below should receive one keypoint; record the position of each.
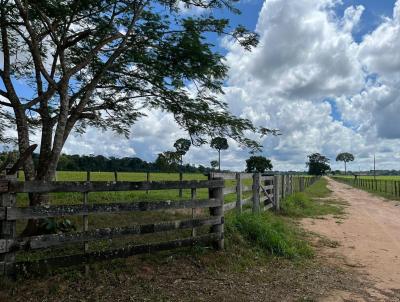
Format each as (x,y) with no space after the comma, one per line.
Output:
(369,241)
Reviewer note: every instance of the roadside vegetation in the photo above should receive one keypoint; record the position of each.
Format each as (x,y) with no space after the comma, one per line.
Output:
(313,202)
(271,234)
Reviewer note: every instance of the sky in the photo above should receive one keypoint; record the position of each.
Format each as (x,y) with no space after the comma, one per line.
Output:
(326,73)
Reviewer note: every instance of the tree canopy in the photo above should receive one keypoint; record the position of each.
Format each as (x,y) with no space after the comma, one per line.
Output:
(318,164)
(258,164)
(219,143)
(182,146)
(214,164)
(100,63)
(345,157)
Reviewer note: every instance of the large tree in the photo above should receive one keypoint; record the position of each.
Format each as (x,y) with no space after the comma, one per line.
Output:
(345,157)
(167,161)
(182,146)
(219,143)
(100,63)
(318,164)
(258,164)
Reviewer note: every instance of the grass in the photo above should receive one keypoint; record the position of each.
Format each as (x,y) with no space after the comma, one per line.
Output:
(313,202)
(272,234)
(318,190)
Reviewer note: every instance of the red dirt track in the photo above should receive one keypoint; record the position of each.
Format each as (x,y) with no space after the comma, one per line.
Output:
(369,241)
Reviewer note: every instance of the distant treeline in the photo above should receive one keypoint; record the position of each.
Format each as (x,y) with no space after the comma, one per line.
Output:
(125,164)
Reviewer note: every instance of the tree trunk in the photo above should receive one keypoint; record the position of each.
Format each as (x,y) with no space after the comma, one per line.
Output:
(345,168)
(219,160)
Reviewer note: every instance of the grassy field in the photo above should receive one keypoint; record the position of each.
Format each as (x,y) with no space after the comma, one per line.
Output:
(266,256)
(100,197)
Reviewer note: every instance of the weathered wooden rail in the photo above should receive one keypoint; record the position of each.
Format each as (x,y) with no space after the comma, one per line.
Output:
(264,192)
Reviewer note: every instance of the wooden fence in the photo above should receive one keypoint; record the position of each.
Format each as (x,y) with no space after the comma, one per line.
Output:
(266,190)
(265,193)
(388,187)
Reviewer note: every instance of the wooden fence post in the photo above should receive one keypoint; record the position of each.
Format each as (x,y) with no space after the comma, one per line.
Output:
(283,186)
(276,193)
(239,193)
(180,179)
(148,180)
(115,176)
(256,192)
(7,229)
(301,184)
(218,193)
(193,197)
(86,219)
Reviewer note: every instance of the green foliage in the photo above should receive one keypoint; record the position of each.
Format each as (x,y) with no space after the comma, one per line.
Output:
(318,164)
(125,164)
(168,161)
(7,157)
(300,205)
(318,189)
(53,226)
(214,164)
(258,164)
(182,146)
(345,157)
(272,234)
(304,204)
(219,143)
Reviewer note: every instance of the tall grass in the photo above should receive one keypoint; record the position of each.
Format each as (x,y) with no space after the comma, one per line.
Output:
(271,234)
(313,202)
(318,189)
(301,205)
